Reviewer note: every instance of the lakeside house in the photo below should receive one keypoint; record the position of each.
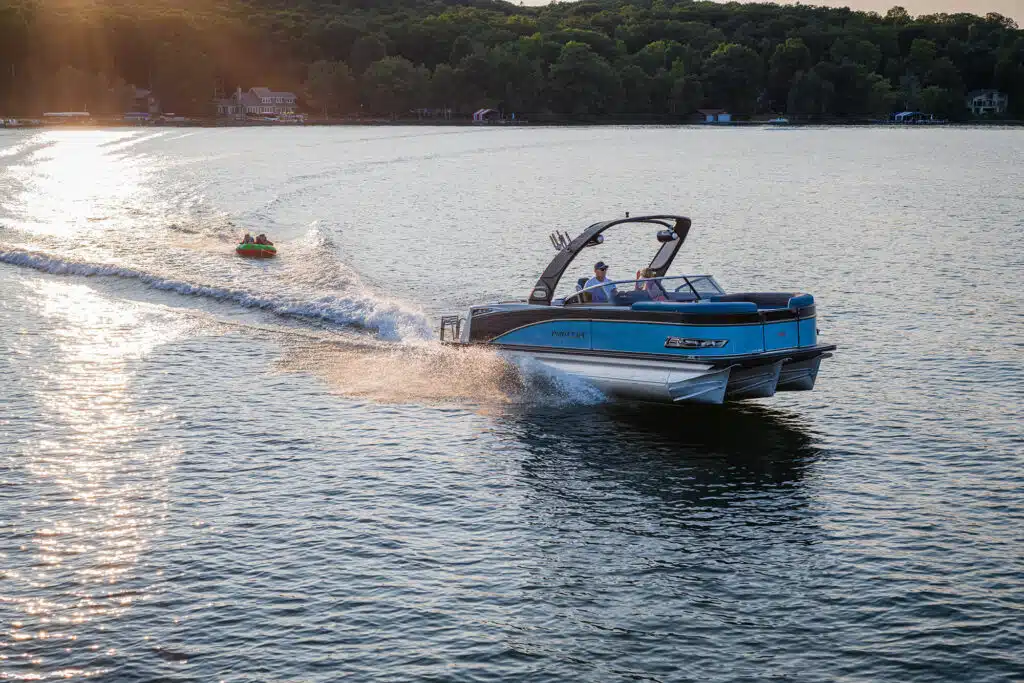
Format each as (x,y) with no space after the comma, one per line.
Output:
(257,101)
(715,115)
(987,102)
(485,115)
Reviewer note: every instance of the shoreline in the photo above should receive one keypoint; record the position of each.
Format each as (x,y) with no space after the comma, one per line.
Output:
(102,122)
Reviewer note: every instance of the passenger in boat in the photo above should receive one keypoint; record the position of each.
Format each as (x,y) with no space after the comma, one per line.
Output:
(262,239)
(646,283)
(601,294)
(247,239)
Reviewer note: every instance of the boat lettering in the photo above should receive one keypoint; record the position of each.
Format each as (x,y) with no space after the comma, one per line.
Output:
(681,343)
(570,334)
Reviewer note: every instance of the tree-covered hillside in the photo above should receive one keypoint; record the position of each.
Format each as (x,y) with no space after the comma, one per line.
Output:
(587,59)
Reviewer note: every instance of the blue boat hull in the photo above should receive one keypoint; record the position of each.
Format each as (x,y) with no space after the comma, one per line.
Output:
(664,351)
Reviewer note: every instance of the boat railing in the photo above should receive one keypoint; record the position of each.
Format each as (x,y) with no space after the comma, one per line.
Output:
(670,288)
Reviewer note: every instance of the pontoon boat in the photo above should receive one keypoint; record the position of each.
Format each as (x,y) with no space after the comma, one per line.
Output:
(658,338)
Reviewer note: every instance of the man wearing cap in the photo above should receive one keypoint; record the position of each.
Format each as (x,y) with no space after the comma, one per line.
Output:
(600,294)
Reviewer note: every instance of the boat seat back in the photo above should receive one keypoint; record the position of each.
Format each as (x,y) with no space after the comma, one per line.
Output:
(769,299)
(705,308)
(800,301)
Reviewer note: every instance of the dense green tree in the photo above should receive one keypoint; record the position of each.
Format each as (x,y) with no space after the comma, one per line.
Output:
(394,85)
(854,88)
(944,74)
(732,78)
(444,87)
(185,79)
(686,91)
(660,54)
(922,55)
(863,53)
(330,86)
(811,95)
(1009,78)
(515,79)
(332,40)
(587,58)
(909,94)
(637,87)
(882,99)
(582,82)
(942,103)
(365,51)
(598,42)
(461,48)
(789,59)
(898,15)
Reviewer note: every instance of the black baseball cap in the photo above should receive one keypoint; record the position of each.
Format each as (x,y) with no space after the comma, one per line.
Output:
(600,265)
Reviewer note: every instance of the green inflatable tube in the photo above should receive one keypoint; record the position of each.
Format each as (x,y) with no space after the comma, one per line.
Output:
(256,250)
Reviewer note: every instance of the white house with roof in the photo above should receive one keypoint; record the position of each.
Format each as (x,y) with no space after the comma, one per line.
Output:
(257,102)
(987,102)
(274,102)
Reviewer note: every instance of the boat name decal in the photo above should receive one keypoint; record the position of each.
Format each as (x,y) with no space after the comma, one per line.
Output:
(681,343)
(571,334)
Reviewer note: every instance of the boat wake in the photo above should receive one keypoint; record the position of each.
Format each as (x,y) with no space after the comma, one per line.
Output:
(430,373)
(389,319)
(401,363)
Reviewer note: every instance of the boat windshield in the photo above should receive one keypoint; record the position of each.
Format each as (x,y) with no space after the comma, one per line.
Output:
(628,292)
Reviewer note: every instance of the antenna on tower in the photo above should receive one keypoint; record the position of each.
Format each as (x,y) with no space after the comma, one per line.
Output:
(559,240)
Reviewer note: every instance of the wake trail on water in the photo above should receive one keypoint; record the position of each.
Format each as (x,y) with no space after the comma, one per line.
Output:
(402,363)
(390,319)
(431,373)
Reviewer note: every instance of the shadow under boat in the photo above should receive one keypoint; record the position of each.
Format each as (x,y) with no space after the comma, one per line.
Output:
(701,455)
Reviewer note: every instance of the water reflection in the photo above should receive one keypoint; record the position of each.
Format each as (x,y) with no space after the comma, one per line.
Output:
(83,179)
(696,452)
(88,488)
(673,521)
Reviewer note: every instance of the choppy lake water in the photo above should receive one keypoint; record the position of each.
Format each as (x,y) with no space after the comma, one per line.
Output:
(212,468)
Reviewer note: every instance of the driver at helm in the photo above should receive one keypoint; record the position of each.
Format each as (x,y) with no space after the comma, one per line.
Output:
(600,294)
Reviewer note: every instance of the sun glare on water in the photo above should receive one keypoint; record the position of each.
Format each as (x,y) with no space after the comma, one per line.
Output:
(82,549)
(75,182)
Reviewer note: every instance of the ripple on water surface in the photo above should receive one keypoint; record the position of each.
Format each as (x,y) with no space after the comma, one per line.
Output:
(218,469)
